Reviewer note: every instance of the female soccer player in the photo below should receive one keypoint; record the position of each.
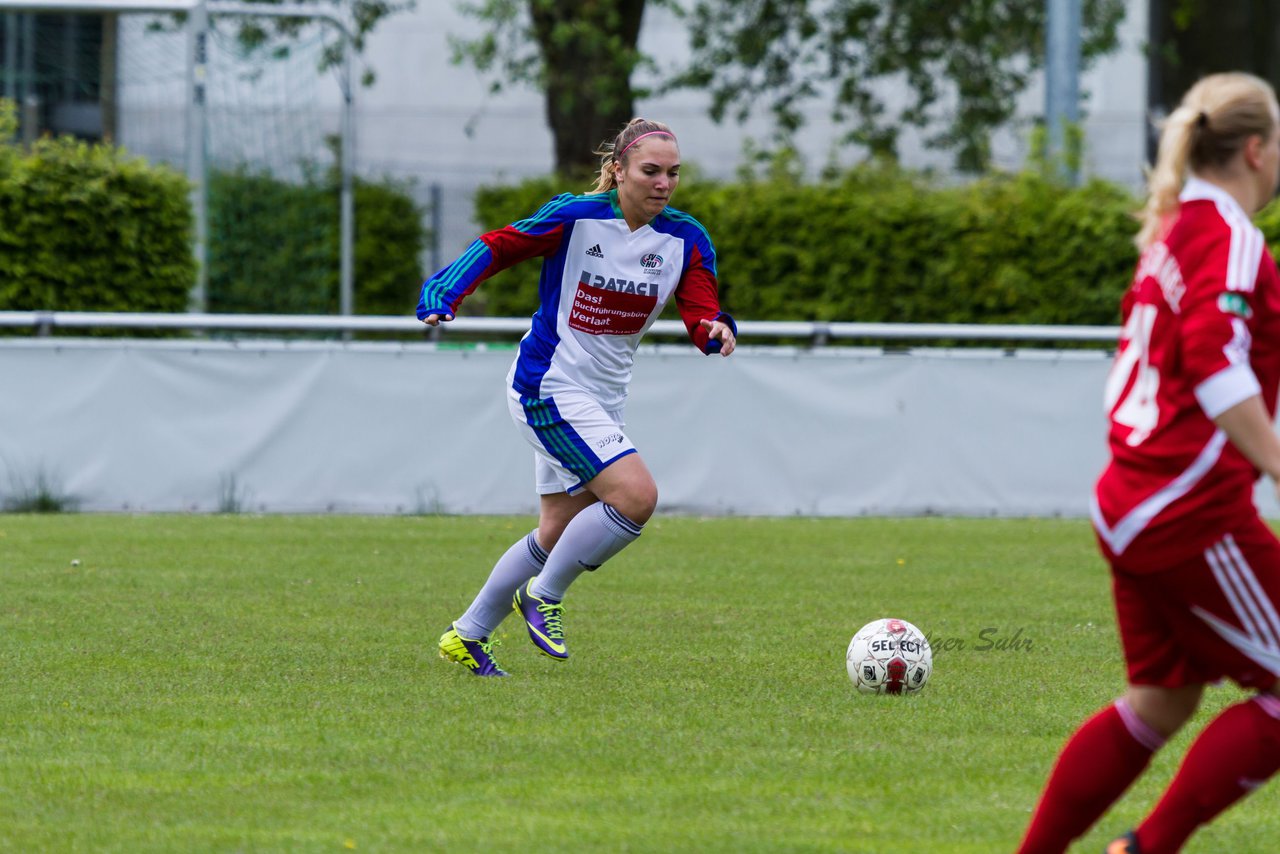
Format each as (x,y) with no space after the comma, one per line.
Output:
(1191,397)
(611,260)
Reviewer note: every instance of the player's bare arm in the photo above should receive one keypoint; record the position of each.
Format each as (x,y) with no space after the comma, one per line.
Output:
(1249,429)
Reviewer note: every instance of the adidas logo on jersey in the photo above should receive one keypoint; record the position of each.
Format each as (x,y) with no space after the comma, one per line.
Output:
(595,251)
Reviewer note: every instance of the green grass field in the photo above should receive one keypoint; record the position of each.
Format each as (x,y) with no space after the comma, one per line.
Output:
(239,683)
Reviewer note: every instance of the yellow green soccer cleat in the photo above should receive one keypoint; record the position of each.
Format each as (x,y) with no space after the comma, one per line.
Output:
(474,654)
(545,621)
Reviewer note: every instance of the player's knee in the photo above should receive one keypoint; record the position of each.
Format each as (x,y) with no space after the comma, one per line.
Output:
(549,532)
(650,503)
(1164,709)
(639,502)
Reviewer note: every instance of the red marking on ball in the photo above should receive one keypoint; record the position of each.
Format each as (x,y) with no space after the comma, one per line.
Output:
(896,676)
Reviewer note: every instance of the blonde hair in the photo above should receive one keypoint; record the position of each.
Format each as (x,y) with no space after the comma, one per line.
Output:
(610,151)
(1208,129)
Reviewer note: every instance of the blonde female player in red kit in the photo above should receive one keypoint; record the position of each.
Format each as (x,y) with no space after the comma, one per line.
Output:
(1192,399)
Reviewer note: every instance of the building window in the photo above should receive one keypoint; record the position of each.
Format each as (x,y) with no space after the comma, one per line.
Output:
(52,66)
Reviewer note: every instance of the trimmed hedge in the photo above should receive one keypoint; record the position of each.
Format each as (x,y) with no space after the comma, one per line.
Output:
(88,228)
(881,244)
(274,245)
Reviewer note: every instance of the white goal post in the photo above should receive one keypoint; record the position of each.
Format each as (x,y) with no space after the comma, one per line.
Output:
(198,12)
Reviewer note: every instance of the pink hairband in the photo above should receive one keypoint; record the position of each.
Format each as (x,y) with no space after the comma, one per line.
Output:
(640,137)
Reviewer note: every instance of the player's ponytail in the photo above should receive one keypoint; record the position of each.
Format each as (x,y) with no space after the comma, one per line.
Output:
(1164,182)
(1208,129)
(613,154)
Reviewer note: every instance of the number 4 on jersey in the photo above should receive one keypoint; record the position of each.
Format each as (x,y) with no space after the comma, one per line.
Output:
(1137,408)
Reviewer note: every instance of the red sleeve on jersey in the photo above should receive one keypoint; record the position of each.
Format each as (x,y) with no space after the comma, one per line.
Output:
(698,299)
(510,246)
(489,254)
(1215,328)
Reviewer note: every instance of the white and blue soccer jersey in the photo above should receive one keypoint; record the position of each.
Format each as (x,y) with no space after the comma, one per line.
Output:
(601,288)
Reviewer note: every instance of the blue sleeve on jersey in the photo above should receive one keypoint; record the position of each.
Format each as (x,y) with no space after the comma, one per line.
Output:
(441,292)
(560,209)
(694,234)
(497,250)
(707,250)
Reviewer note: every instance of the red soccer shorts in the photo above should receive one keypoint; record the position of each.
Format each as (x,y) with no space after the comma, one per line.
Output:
(1210,617)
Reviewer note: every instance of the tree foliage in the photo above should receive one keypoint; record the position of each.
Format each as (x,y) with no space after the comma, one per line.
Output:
(964,61)
(362,16)
(580,55)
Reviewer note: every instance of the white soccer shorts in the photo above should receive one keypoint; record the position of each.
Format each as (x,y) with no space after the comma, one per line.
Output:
(573,437)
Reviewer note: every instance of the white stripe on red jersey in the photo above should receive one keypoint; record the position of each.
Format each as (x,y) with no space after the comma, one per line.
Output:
(1254,611)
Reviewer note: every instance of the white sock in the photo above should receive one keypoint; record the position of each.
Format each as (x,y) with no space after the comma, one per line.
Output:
(520,563)
(591,538)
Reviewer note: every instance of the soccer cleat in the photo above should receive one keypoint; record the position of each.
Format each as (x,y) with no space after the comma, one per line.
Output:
(475,655)
(545,621)
(1127,844)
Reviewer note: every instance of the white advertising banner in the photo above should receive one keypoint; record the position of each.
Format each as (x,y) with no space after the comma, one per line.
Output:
(262,426)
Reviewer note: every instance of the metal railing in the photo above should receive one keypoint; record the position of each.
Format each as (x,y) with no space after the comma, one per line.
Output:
(815,333)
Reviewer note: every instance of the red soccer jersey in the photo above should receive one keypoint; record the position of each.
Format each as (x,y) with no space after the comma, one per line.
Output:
(1201,334)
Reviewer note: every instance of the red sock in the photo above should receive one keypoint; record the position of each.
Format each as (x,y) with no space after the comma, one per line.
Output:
(1105,755)
(1237,752)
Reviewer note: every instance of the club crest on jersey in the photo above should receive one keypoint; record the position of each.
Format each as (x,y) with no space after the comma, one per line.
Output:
(625,286)
(651,264)
(1234,303)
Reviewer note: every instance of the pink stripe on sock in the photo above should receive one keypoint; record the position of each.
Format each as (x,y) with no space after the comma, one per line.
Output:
(1270,704)
(1138,728)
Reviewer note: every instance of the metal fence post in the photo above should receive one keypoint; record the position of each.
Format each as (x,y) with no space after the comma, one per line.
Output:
(197,69)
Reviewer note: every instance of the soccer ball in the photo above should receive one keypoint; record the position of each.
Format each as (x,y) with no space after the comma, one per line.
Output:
(889,656)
